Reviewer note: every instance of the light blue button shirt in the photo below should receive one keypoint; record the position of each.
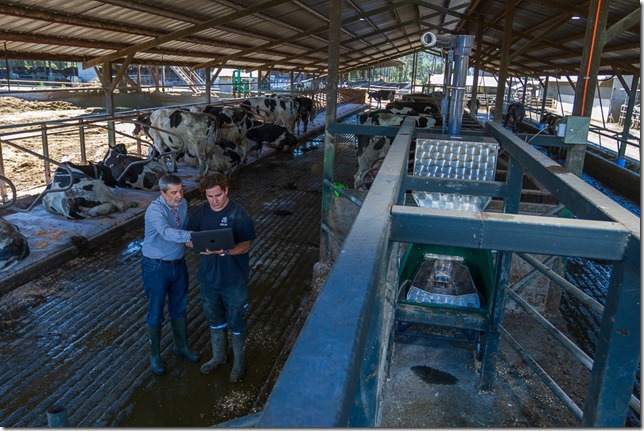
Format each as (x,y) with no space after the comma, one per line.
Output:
(164,239)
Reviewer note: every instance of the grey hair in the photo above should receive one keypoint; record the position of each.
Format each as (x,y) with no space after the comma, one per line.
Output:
(169,180)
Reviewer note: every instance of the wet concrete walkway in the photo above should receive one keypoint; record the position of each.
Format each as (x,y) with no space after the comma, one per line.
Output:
(76,336)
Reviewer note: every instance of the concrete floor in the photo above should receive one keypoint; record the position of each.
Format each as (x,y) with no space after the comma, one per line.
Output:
(75,336)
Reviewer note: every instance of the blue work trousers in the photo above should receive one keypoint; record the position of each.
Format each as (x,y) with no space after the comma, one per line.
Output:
(161,280)
(225,306)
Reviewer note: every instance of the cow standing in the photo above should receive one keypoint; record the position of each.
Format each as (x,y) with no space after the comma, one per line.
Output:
(233,125)
(142,126)
(371,152)
(381,95)
(88,197)
(516,112)
(177,130)
(388,119)
(551,122)
(305,111)
(276,109)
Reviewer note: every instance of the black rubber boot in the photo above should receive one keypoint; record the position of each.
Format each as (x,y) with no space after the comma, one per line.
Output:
(219,357)
(181,341)
(156,364)
(239,350)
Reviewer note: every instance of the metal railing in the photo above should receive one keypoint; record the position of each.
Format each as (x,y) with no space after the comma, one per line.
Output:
(347,349)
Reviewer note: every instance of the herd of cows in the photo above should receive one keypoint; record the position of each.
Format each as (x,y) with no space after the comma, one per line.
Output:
(211,137)
(217,138)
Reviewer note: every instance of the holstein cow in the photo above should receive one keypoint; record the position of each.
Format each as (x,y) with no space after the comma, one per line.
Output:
(87,197)
(381,95)
(368,116)
(551,123)
(371,152)
(198,132)
(275,109)
(516,112)
(305,111)
(387,119)
(272,135)
(233,125)
(142,174)
(421,107)
(142,127)
(13,245)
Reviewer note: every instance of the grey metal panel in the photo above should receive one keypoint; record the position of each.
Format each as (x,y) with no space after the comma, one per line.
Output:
(510,232)
(431,315)
(482,188)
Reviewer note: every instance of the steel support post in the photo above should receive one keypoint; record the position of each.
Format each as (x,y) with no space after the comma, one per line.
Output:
(331,113)
(618,350)
(501,277)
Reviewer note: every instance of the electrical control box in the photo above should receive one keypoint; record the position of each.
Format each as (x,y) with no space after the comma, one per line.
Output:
(576,131)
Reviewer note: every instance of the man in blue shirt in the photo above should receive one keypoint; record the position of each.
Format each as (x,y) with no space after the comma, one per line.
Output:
(164,269)
(223,274)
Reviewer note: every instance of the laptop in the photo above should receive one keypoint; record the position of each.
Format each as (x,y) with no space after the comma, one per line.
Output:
(218,239)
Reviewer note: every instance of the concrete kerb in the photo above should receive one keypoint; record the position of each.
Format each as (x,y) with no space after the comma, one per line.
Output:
(85,235)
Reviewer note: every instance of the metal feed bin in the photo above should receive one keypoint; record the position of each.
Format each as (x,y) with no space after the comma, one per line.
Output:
(448,286)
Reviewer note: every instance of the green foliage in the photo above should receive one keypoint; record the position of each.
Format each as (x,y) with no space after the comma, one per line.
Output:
(427,64)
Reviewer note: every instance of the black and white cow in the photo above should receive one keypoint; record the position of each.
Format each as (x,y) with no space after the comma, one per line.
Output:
(516,112)
(551,122)
(305,112)
(233,124)
(141,174)
(381,95)
(420,107)
(273,109)
(13,245)
(142,127)
(272,135)
(371,152)
(197,135)
(88,197)
(388,119)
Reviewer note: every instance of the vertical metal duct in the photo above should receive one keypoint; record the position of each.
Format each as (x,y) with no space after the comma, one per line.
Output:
(462,52)
(461,47)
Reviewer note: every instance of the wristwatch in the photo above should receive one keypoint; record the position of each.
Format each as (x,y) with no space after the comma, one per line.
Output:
(227,253)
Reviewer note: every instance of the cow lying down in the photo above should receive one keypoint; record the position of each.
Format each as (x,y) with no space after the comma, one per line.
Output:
(87,197)
(13,245)
(141,174)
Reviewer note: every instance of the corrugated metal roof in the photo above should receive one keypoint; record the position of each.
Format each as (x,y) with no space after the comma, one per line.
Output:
(292,34)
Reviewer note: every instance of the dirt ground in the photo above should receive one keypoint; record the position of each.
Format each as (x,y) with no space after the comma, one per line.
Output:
(26,170)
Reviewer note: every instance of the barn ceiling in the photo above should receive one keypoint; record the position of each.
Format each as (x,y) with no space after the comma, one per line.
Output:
(292,35)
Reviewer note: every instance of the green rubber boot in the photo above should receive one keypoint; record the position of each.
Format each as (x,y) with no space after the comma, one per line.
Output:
(219,357)
(156,364)
(181,341)
(239,350)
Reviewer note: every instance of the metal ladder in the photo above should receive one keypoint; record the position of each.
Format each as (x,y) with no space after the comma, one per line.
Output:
(194,81)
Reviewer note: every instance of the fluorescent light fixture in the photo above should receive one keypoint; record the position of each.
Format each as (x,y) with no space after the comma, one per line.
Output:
(575,17)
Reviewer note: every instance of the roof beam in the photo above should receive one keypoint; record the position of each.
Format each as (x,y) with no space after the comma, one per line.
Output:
(298,36)
(364,36)
(267,4)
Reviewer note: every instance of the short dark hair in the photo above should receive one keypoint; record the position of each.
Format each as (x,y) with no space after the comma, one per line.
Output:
(169,180)
(213,180)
